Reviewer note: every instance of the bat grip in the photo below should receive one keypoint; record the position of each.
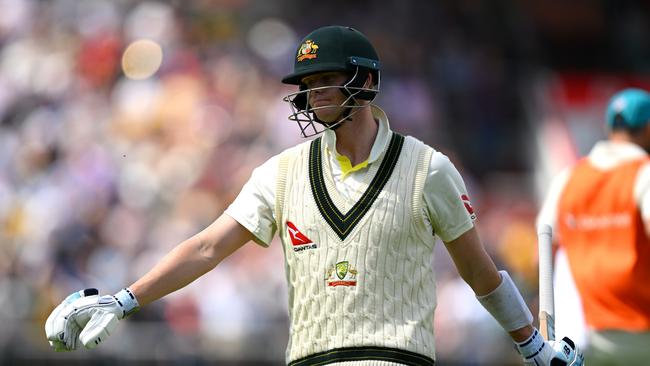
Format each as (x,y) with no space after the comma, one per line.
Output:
(546,296)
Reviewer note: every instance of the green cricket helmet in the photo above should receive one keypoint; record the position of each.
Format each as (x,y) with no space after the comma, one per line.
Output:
(328,49)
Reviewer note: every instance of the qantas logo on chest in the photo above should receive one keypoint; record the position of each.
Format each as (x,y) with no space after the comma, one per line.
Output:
(299,241)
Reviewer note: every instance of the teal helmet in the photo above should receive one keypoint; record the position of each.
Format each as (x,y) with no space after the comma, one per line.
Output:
(628,109)
(328,49)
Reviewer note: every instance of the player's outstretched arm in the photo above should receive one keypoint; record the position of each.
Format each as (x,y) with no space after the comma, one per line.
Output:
(86,317)
(191,259)
(497,293)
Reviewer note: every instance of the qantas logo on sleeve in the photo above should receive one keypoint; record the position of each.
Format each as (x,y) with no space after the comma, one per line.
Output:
(468,206)
(299,241)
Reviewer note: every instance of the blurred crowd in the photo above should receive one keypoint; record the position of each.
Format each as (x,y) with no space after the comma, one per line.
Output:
(102,172)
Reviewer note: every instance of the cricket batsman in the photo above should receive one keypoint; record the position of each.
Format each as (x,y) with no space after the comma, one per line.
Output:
(357,210)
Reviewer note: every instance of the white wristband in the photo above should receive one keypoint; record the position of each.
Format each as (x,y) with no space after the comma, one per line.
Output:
(532,346)
(127,301)
(506,305)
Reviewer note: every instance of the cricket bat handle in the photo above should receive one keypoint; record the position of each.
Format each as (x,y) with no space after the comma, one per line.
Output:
(546,298)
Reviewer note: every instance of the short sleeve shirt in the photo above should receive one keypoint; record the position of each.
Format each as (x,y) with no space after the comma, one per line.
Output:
(446,203)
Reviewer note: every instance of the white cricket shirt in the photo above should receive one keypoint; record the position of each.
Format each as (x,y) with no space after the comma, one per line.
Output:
(444,190)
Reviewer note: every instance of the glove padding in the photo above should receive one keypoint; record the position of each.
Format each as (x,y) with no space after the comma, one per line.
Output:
(538,352)
(87,317)
(62,334)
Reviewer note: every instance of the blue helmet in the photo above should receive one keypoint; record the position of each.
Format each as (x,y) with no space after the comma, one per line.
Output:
(628,109)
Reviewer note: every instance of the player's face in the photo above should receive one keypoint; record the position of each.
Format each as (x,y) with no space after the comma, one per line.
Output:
(326,101)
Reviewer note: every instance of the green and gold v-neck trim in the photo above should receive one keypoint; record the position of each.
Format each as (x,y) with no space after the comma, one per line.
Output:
(342,224)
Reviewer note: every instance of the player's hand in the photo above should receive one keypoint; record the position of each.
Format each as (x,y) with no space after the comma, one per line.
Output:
(537,352)
(86,317)
(62,334)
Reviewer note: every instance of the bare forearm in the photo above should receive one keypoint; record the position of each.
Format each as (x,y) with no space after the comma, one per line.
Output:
(521,334)
(486,281)
(498,295)
(482,279)
(191,259)
(473,263)
(177,269)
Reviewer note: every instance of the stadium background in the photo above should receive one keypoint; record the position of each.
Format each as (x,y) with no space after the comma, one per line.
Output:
(104,168)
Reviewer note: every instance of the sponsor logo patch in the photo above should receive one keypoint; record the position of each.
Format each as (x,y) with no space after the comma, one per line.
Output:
(307,50)
(341,274)
(299,241)
(468,206)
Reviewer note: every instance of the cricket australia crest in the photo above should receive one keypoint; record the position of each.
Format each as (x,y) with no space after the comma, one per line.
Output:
(341,274)
(307,51)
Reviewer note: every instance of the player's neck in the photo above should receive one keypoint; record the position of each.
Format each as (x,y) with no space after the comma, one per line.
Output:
(641,139)
(355,138)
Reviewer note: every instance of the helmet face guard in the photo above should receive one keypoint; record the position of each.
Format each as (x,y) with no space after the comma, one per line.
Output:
(332,49)
(305,115)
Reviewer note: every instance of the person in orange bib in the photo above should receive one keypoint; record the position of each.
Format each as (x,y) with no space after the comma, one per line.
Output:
(600,209)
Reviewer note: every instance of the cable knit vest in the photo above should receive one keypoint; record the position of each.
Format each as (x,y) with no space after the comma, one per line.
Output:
(361,286)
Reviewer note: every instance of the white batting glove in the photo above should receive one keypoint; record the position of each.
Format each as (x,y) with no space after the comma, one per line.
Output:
(538,352)
(61,334)
(87,317)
